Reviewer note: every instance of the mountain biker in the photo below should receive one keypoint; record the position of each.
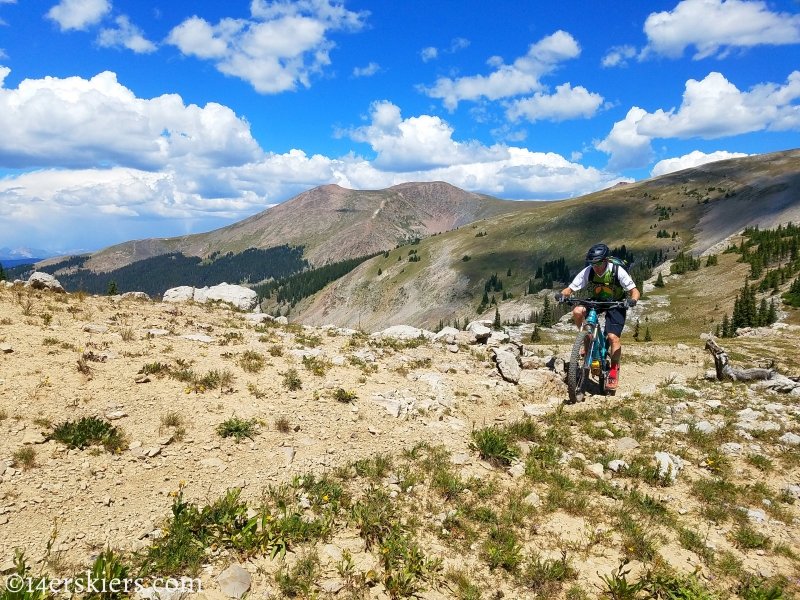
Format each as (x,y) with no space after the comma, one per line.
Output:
(604,286)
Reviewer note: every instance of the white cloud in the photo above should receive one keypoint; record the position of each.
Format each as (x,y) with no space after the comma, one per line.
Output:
(618,56)
(428,53)
(283,45)
(458,43)
(79,123)
(114,166)
(628,148)
(367,71)
(521,77)
(78,14)
(711,108)
(126,35)
(566,103)
(717,27)
(693,159)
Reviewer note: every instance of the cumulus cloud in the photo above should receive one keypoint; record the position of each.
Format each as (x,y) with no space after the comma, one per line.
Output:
(711,108)
(458,43)
(126,35)
(618,56)
(107,163)
(521,77)
(367,71)
(428,53)
(715,27)
(693,159)
(79,123)
(282,45)
(566,103)
(78,14)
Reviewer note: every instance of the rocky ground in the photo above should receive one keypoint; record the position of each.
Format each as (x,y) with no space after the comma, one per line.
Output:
(677,474)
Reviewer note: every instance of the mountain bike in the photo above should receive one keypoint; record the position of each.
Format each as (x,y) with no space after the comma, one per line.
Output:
(591,353)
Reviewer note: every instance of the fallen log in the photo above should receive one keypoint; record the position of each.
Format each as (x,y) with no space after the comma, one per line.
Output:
(725,371)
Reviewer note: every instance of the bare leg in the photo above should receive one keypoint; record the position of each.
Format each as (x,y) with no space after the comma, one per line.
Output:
(579,315)
(616,347)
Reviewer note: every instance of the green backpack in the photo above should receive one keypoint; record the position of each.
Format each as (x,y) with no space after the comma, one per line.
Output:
(615,290)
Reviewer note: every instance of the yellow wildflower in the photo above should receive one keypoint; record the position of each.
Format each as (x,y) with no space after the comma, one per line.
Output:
(325,497)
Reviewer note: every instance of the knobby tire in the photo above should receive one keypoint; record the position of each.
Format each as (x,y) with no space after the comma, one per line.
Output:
(577,372)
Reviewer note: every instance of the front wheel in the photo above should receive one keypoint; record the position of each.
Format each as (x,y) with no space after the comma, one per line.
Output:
(577,371)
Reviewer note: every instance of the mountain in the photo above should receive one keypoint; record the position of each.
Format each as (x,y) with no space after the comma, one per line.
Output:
(693,210)
(331,222)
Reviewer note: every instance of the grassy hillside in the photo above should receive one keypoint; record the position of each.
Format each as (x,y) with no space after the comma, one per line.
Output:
(700,207)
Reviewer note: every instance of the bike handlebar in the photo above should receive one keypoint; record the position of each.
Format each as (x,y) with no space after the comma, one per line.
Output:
(595,304)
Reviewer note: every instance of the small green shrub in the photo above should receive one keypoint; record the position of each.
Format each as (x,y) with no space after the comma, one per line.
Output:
(547,577)
(237,428)
(494,445)
(251,361)
(502,550)
(343,395)
(291,380)
(88,431)
(50,341)
(25,457)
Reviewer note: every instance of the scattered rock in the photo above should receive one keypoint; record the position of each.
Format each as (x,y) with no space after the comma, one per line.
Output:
(143,378)
(33,437)
(508,366)
(790,438)
(669,465)
(198,337)
(626,443)
(6,349)
(117,414)
(234,581)
(731,449)
(594,470)
(533,499)
(618,465)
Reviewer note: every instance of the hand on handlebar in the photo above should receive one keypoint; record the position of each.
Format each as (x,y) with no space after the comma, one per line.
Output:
(560,298)
(630,303)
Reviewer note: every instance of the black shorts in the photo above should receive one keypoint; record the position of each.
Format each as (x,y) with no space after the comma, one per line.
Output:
(615,320)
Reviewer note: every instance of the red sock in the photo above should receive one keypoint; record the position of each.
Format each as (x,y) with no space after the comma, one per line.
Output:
(614,370)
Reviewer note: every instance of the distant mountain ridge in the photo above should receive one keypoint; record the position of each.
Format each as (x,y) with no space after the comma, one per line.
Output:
(332,224)
(701,207)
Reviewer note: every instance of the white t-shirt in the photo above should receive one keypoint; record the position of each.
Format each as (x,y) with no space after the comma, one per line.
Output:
(582,279)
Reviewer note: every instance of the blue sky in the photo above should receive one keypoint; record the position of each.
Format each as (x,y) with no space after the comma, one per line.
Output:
(123,120)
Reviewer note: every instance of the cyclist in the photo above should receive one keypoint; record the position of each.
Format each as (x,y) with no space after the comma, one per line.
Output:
(608,282)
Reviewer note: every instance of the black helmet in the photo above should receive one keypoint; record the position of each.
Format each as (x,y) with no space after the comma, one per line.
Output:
(597,253)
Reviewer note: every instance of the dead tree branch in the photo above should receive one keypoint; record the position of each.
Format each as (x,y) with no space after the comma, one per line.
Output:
(725,371)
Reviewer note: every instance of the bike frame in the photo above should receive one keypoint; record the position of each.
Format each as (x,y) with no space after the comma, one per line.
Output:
(599,348)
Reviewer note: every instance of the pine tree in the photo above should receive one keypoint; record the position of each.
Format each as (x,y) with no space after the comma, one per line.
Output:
(660,281)
(496,324)
(3,275)
(485,299)
(380,271)
(535,336)
(509,272)
(772,313)
(494,300)
(647,336)
(726,326)
(546,316)
(112,288)
(636,331)
(762,313)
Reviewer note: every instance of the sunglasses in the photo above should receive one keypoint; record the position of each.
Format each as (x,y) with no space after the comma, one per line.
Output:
(597,264)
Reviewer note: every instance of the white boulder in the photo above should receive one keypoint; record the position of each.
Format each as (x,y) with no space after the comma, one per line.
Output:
(44,281)
(669,465)
(508,366)
(241,297)
(446,335)
(179,294)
